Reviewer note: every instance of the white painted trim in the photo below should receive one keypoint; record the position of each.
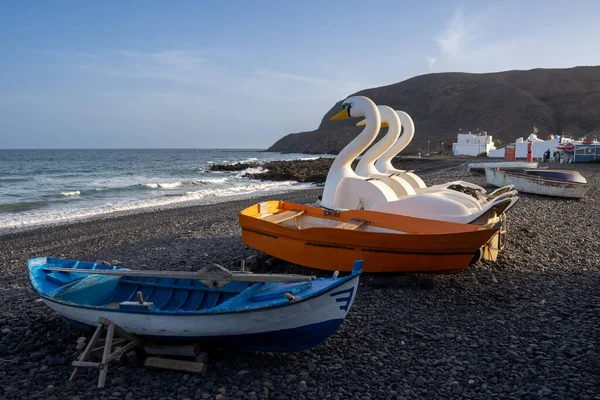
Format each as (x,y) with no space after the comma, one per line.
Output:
(318,309)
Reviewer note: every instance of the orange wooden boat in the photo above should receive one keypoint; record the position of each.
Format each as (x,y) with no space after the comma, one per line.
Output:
(322,239)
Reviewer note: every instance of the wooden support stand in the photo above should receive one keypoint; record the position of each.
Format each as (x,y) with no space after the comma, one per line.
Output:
(107,356)
(127,342)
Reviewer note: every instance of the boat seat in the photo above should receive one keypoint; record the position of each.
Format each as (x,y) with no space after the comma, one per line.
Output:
(351,224)
(59,278)
(136,305)
(282,216)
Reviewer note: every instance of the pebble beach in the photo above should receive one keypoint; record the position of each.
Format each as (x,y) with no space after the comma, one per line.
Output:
(525,327)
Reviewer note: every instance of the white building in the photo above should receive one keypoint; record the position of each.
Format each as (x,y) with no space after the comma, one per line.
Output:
(470,144)
(538,147)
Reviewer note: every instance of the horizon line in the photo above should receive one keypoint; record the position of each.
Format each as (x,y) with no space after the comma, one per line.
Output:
(140,148)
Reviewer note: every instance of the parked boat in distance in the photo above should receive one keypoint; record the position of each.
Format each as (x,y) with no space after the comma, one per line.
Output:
(322,239)
(558,174)
(538,182)
(268,312)
(478,168)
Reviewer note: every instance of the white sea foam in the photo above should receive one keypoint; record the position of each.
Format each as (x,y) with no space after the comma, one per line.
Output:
(256,170)
(206,195)
(73,193)
(171,185)
(107,187)
(208,181)
(308,158)
(251,187)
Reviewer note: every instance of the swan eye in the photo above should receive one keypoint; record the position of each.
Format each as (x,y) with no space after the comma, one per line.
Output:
(347,107)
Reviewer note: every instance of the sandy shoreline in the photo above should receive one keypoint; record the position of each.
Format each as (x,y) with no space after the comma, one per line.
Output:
(525,327)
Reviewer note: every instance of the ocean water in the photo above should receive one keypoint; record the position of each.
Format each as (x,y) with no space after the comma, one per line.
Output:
(41,187)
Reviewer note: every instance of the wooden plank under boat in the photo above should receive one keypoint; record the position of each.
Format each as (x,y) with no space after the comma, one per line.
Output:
(316,238)
(266,313)
(537,184)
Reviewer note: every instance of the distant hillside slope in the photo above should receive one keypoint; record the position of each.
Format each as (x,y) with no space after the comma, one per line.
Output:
(506,104)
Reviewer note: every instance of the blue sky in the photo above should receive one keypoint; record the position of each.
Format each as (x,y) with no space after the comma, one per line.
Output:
(240,74)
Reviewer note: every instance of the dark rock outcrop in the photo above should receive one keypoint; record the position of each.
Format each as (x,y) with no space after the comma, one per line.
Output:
(506,104)
(232,167)
(294,170)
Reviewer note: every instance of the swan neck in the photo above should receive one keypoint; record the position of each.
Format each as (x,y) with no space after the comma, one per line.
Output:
(360,142)
(366,164)
(401,143)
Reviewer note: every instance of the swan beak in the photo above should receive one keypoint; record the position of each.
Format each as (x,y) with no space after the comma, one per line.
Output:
(341,115)
(364,122)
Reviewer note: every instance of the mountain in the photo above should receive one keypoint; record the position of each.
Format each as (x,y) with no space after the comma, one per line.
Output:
(505,104)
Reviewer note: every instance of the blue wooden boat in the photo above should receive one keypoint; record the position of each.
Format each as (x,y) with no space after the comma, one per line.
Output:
(238,310)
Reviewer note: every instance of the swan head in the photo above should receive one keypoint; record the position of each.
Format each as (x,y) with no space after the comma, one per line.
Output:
(354,106)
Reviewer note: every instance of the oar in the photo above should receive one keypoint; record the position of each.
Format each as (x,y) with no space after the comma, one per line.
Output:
(208,276)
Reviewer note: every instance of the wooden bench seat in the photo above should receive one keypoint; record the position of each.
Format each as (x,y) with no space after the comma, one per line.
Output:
(282,216)
(351,224)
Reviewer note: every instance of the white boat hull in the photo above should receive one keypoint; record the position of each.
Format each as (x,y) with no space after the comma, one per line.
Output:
(293,327)
(536,185)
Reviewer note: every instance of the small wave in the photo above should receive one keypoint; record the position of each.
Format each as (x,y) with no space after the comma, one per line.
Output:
(208,181)
(244,189)
(256,170)
(73,193)
(171,185)
(251,160)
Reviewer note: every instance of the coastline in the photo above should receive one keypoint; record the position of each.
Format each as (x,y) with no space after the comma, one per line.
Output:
(149,209)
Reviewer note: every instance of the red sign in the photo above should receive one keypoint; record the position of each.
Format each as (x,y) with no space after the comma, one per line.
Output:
(529,152)
(509,152)
(569,146)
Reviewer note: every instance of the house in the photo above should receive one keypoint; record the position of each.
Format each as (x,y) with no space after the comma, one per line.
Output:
(473,144)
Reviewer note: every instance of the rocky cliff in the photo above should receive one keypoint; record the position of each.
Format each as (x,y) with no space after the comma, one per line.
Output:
(506,104)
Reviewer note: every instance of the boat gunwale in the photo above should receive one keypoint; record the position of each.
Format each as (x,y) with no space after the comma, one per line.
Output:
(271,229)
(309,211)
(195,313)
(540,178)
